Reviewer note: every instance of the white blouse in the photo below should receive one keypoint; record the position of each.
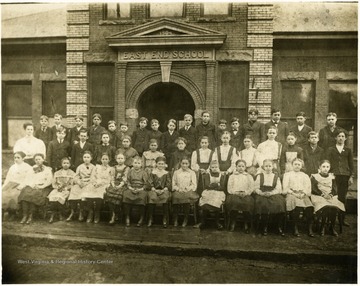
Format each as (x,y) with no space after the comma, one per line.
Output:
(268,181)
(204,158)
(240,182)
(17,173)
(268,150)
(297,181)
(224,152)
(184,181)
(30,146)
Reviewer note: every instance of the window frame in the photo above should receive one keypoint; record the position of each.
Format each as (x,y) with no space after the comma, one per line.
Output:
(202,11)
(105,12)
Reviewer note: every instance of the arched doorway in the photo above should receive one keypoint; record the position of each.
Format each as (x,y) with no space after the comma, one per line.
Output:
(164,101)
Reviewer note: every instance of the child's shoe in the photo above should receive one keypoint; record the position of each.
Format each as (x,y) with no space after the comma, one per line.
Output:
(90,216)
(97,217)
(69,218)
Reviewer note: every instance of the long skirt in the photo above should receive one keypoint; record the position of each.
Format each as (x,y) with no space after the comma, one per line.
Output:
(76,193)
(154,198)
(270,205)
(184,198)
(56,196)
(10,196)
(212,198)
(90,192)
(319,202)
(139,198)
(237,203)
(292,202)
(35,196)
(114,196)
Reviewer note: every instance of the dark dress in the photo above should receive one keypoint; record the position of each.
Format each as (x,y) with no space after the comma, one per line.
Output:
(136,179)
(176,157)
(101,149)
(115,195)
(140,140)
(159,183)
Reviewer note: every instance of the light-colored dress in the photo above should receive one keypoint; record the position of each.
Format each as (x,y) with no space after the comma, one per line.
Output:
(324,184)
(299,183)
(103,177)
(14,178)
(184,187)
(243,182)
(30,146)
(213,194)
(81,181)
(269,149)
(226,158)
(149,158)
(250,157)
(63,180)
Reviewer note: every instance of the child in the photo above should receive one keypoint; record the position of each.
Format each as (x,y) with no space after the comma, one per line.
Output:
(140,136)
(270,149)
(183,190)
(74,132)
(313,154)
(129,152)
(96,130)
(81,182)
(124,127)
(114,194)
(79,149)
(115,135)
(240,188)
(213,195)
(297,186)
(58,149)
(160,184)
(189,133)
(168,145)
(57,126)
(327,134)
(37,188)
(135,193)
(324,197)
(101,178)
(150,156)
(236,138)
(342,165)
(222,126)
(268,198)
(205,128)
(282,127)
(180,153)
(249,156)
(14,183)
(104,147)
(62,182)
(289,152)
(301,130)
(154,132)
(255,128)
(225,154)
(44,133)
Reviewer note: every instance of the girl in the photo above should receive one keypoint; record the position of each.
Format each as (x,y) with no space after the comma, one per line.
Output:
(240,188)
(114,194)
(14,183)
(249,156)
(140,136)
(129,152)
(270,149)
(150,156)
(96,130)
(101,178)
(297,186)
(62,182)
(81,182)
(168,145)
(37,188)
(324,197)
(225,154)
(136,191)
(104,147)
(213,196)
(184,190)
(178,154)
(160,184)
(268,199)
(289,153)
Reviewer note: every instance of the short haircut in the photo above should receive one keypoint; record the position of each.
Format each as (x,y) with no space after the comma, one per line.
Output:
(331,114)
(301,113)
(337,132)
(268,160)
(312,133)
(124,123)
(83,130)
(44,117)
(253,110)
(58,115)
(291,133)
(154,121)
(205,111)
(127,137)
(171,121)
(137,158)
(274,110)
(180,139)
(222,121)
(111,122)
(204,138)
(188,116)
(61,130)
(79,117)
(97,115)
(234,119)
(104,133)
(143,119)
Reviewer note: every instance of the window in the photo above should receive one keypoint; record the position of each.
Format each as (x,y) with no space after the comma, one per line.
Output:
(117,10)
(343,101)
(101,92)
(297,96)
(166,10)
(215,9)
(53,98)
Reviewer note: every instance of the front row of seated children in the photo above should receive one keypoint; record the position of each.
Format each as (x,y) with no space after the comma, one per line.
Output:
(264,199)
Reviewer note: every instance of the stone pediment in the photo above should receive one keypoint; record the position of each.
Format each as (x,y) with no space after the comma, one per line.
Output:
(166,32)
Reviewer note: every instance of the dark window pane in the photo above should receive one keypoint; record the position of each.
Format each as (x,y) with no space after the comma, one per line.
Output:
(107,114)
(53,98)
(228,113)
(166,9)
(101,83)
(343,99)
(18,99)
(117,10)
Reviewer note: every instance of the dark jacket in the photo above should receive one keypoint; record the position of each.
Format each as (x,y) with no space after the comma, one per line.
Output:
(101,149)
(341,163)
(302,136)
(77,154)
(55,152)
(206,130)
(73,135)
(95,134)
(256,130)
(46,136)
(327,138)
(237,140)
(140,140)
(282,133)
(190,136)
(53,132)
(168,145)
(312,158)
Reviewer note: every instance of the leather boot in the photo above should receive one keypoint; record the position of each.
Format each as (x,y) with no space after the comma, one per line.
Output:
(97,217)
(90,216)
(29,220)
(112,220)
(24,219)
(311,234)
(296,231)
(69,218)
(333,231)
(51,220)
(81,215)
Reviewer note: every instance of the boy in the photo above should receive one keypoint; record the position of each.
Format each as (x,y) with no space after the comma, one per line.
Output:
(301,130)
(115,135)
(236,135)
(154,133)
(104,147)
(140,137)
(205,128)
(96,130)
(327,134)
(342,165)
(254,128)
(44,133)
(189,133)
(57,126)
(58,149)
(74,132)
(124,127)
(313,154)
(222,126)
(282,127)
(79,149)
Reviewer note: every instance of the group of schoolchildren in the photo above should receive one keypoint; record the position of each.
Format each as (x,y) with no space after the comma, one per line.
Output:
(262,171)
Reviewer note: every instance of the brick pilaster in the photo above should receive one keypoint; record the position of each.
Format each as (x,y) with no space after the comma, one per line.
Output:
(211,97)
(120,93)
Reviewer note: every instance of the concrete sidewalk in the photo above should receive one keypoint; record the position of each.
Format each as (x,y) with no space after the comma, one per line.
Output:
(187,241)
